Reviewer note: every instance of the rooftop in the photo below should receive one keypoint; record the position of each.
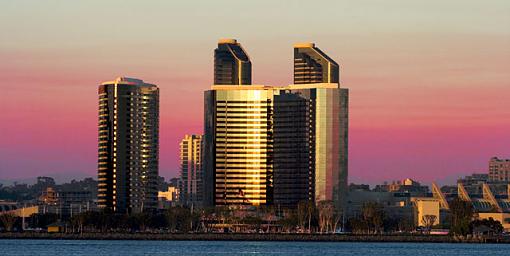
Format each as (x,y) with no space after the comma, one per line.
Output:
(280,87)
(126,81)
(227,41)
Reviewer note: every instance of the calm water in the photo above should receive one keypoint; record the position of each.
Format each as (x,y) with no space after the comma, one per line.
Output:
(84,247)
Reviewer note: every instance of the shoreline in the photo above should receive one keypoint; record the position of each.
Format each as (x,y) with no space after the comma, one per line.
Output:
(256,237)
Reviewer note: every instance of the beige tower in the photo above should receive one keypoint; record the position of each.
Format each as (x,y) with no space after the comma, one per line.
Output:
(191,191)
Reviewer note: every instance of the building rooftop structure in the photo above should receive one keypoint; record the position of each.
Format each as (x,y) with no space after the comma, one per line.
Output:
(405,186)
(474,185)
(232,65)
(487,202)
(127,81)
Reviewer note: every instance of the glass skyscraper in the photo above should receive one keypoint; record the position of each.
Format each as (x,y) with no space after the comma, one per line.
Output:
(316,78)
(238,145)
(279,144)
(310,134)
(128,145)
(293,149)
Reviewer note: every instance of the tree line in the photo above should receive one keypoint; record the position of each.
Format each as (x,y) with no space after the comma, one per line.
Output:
(306,218)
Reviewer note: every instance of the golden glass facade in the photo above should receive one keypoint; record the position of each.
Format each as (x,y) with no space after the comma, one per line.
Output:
(313,67)
(326,142)
(277,144)
(249,144)
(243,146)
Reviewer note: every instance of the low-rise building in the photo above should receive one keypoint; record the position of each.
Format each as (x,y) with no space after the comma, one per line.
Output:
(66,203)
(485,206)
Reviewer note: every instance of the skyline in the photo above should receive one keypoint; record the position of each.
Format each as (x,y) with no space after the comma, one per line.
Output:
(412,91)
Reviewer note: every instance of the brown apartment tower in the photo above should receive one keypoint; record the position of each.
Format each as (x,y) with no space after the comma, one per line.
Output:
(128,145)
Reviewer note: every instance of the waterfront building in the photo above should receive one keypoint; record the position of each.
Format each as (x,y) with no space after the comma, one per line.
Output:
(238,142)
(317,132)
(191,191)
(486,206)
(278,145)
(499,169)
(396,205)
(65,203)
(128,145)
(399,206)
(424,207)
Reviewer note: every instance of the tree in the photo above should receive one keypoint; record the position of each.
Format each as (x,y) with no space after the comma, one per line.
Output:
(78,221)
(180,219)
(8,220)
(486,226)
(428,221)
(253,221)
(371,219)
(461,216)
(310,210)
(337,217)
(326,216)
(373,215)
(157,221)
(405,225)
(301,214)
(42,220)
(357,225)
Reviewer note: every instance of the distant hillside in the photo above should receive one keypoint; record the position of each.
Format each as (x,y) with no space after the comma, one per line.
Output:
(59,178)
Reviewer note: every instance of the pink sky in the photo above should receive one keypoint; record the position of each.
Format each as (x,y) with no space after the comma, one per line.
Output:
(430,83)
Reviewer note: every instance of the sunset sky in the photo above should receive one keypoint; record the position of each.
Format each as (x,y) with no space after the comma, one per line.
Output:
(429,80)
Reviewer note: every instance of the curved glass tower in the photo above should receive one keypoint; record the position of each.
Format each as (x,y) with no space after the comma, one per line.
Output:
(238,156)
(232,65)
(128,145)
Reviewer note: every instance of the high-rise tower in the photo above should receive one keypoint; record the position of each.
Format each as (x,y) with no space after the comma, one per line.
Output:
(128,145)
(311,65)
(328,113)
(232,65)
(279,145)
(191,191)
(238,145)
